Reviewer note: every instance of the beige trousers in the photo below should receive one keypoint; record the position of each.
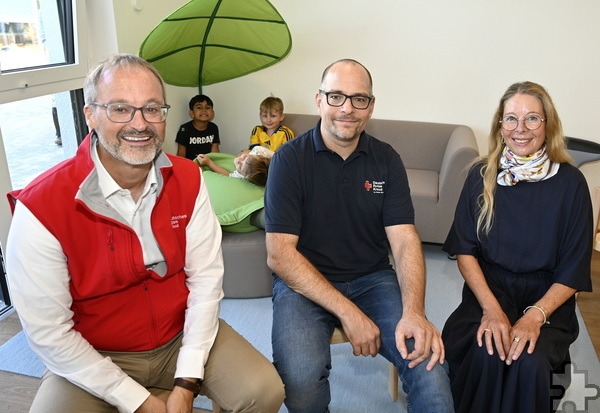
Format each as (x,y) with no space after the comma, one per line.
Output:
(237,377)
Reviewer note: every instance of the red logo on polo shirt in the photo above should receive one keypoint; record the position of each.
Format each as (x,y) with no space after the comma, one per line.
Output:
(368,186)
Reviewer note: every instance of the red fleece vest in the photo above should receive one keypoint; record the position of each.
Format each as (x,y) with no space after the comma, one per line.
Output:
(118,305)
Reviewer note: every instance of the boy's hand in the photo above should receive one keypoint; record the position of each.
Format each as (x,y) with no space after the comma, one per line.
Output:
(202,160)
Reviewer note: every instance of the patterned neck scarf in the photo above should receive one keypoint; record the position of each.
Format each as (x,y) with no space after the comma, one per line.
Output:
(531,168)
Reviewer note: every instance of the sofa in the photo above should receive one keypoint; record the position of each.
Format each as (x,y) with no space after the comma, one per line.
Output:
(436,157)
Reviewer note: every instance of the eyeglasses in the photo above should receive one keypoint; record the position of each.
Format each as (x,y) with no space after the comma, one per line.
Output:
(532,122)
(338,99)
(123,113)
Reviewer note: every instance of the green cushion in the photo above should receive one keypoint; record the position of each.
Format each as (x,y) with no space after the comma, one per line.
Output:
(233,200)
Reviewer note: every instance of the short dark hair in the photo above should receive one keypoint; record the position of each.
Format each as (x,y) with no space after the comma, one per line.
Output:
(200,99)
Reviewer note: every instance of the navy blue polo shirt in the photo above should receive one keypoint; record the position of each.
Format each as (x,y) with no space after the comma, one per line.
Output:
(338,208)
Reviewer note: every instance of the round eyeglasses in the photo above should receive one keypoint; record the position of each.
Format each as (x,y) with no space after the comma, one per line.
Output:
(531,122)
(336,100)
(123,113)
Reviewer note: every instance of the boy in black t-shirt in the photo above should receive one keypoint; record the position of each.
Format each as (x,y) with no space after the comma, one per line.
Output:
(200,135)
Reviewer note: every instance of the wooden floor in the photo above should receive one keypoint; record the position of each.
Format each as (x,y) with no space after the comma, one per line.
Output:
(18,391)
(589,304)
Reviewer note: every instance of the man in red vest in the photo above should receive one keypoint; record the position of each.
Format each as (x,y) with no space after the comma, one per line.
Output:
(115,268)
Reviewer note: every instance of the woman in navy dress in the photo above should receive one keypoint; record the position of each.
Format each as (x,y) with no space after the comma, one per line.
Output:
(522,235)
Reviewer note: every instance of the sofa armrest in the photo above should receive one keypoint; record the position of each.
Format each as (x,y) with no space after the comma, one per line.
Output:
(461,150)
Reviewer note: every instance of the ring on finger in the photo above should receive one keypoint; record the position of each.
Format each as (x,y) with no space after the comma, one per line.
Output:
(487,329)
(517,339)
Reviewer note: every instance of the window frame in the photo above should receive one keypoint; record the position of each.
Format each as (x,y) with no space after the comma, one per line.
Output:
(17,84)
(4,286)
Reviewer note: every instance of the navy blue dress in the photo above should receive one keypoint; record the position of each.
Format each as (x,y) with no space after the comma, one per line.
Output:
(541,235)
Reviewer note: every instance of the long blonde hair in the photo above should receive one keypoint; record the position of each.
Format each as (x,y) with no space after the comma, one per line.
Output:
(555,147)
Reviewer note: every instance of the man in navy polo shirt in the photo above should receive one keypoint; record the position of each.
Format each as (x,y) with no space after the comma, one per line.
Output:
(337,200)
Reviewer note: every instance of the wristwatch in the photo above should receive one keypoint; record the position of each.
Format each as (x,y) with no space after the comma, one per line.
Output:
(194,387)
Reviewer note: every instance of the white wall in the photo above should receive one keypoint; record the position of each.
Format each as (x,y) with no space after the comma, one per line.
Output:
(439,61)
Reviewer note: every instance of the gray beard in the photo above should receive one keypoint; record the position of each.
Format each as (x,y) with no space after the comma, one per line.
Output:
(131,157)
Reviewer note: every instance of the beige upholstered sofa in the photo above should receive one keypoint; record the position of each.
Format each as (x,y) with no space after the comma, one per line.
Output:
(435,156)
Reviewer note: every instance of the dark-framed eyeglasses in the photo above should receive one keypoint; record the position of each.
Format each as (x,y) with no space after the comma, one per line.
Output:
(123,113)
(531,122)
(337,99)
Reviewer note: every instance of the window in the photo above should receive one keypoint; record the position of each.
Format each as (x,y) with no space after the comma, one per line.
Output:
(41,44)
(43,63)
(35,34)
(40,132)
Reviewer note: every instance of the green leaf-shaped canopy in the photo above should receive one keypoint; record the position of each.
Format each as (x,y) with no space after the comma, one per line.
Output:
(209,41)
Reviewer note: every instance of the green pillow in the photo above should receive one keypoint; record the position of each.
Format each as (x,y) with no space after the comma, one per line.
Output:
(233,200)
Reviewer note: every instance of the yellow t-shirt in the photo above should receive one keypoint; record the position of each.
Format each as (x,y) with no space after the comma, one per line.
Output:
(274,141)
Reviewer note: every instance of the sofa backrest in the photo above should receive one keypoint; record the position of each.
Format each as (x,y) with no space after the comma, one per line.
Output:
(420,144)
(300,123)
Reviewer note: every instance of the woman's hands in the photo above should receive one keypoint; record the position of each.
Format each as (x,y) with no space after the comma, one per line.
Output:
(510,341)
(494,330)
(526,330)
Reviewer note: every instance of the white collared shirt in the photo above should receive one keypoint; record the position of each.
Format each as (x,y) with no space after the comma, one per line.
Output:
(137,215)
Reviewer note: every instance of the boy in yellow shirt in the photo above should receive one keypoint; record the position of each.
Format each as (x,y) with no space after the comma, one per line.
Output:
(271,133)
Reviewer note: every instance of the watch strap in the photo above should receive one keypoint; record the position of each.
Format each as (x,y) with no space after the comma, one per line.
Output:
(188,385)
